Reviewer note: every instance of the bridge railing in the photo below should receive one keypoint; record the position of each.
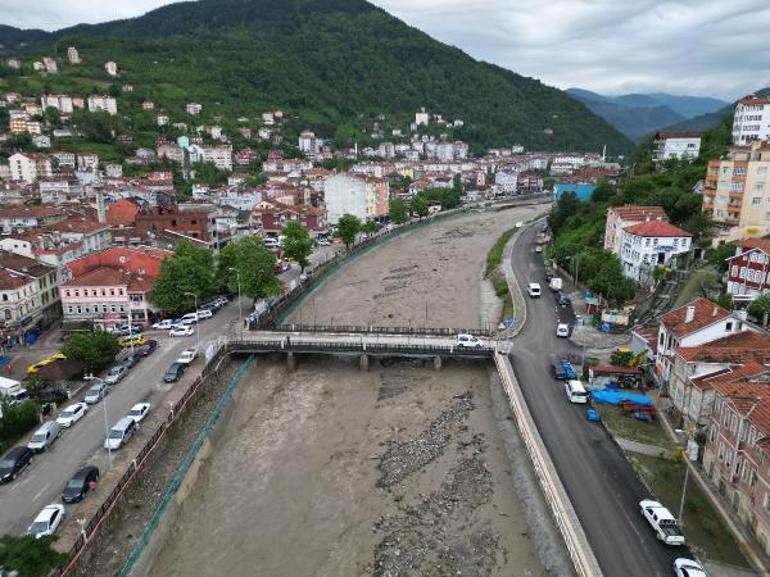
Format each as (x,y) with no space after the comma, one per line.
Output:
(298,345)
(356,329)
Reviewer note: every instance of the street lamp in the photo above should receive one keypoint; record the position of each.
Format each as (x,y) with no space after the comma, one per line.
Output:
(197,321)
(91,377)
(240,309)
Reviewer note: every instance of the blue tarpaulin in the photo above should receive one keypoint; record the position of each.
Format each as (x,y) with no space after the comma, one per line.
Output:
(615,397)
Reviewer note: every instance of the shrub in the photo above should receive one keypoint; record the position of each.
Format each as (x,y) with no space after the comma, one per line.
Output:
(17,420)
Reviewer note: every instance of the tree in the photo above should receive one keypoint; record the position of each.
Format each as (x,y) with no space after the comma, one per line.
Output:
(603,192)
(348,226)
(190,271)
(725,301)
(718,256)
(420,206)
(96,349)
(297,244)
(397,211)
(621,358)
(29,556)
(249,258)
(370,227)
(760,307)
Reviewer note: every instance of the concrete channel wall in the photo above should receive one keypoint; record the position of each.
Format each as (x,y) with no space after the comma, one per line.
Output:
(583,558)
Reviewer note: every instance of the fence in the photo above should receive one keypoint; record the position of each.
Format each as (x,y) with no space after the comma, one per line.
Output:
(357,329)
(102,514)
(359,347)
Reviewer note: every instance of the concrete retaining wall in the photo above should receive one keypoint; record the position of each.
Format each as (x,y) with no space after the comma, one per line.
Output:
(564,515)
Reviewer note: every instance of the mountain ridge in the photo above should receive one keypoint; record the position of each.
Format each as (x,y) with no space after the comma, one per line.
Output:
(363,63)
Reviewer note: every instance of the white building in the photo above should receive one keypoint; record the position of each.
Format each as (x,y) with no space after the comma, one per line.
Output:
(106,104)
(619,217)
(421,118)
(681,145)
(30,167)
(651,244)
(507,181)
(163,119)
(345,194)
(111,68)
(72,55)
(752,120)
(193,108)
(50,65)
(60,102)
(308,143)
(221,156)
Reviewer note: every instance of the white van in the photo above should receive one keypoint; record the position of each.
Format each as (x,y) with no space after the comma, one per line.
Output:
(576,392)
(44,436)
(189,319)
(123,430)
(556,284)
(534,290)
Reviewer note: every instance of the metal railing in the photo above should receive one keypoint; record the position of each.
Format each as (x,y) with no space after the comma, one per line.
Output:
(379,330)
(358,347)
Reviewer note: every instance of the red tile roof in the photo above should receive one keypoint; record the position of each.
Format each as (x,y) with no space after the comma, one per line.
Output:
(751,99)
(102,276)
(736,348)
(677,134)
(750,399)
(738,373)
(762,244)
(706,313)
(639,213)
(657,228)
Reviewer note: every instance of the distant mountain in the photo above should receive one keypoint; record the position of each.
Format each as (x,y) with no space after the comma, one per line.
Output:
(690,106)
(335,66)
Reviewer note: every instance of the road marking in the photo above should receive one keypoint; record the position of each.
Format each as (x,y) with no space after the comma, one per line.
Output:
(40,492)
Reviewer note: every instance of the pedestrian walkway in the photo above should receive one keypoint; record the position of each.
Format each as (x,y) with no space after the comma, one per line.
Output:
(642,448)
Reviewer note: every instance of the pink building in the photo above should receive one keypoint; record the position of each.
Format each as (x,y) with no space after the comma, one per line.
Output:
(619,217)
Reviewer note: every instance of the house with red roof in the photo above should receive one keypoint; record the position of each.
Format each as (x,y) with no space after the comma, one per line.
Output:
(736,456)
(650,244)
(619,217)
(748,270)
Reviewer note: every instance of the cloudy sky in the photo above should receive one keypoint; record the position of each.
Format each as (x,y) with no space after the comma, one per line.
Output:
(703,47)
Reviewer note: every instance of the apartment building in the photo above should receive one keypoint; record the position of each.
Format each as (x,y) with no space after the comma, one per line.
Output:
(108,104)
(736,194)
(680,145)
(651,244)
(751,121)
(619,217)
(748,270)
(60,102)
(29,167)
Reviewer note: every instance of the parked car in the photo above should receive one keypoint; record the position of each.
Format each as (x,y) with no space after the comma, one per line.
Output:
(72,414)
(45,436)
(466,340)
(163,325)
(116,374)
(80,484)
(182,331)
(120,434)
(562,330)
(688,568)
(563,299)
(174,373)
(96,393)
(125,331)
(135,340)
(187,356)
(32,369)
(662,521)
(47,521)
(149,347)
(189,319)
(131,360)
(139,411)
(14,462)
(538,249)
(557,367)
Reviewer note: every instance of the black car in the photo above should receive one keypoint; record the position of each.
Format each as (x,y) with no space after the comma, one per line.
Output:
(557,367)
(14,462)
(80,484)
(564,299)
(174,373)
(548,276)
(131,360)
(147,348)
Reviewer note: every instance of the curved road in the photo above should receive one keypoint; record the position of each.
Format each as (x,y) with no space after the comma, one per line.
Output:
(601,483)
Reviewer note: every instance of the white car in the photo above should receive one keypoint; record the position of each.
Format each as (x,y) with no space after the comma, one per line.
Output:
(534,290)
(538,249)
(562,330)
(163,325)
(466,340)
(205,314)
(139,411)
(181,331)
(72,414)
(47,521)
(688,568)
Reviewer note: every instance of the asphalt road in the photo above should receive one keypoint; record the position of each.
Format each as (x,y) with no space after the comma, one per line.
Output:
(601,484)
(43,482)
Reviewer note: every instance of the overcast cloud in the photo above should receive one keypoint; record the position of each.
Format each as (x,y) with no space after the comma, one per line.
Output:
(704,47)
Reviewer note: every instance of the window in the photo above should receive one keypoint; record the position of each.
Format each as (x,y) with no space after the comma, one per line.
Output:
(173,222)
(112,292)
(734,270)
(7,314)
(69,309)
(193,221)
(756,201)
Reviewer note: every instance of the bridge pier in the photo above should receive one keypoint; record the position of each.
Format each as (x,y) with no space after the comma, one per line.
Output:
(291,361)
(364,362)
(437,363)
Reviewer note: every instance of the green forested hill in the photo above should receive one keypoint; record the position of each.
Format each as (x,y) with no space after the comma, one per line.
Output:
(337,64)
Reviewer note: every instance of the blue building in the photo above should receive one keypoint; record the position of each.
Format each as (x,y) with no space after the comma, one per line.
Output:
(582,190)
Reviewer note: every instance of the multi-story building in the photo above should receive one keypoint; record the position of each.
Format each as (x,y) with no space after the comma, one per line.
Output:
(28,217)
(270,216)
(650,244)
(736,194)
(308,143)
(18,121)
(681,145)
(195,222)
(421,118)
(345,194)
(111,68)
(29,296)
(193,108)
(50,65)
(72,55)
(60,102)
(108,104)
(751,121)
(619,217)
(29,167)
(748,270)
(108,286)
(737,452)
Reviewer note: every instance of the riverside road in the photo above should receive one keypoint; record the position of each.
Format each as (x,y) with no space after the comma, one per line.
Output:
(601,483)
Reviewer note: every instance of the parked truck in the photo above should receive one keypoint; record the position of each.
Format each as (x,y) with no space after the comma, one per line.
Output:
(556,284)
(12,392)
(662,521)
(187,356)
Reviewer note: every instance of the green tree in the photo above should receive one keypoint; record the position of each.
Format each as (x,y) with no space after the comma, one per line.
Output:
(370,227)
(420,206)
(29,556)
(760,307)
(717,257)
(397,211)
(603,192)
(249,258)
(96,349)
(190,271)
(297,244)
(621,358)
(725,301)
(17,421)
(348,226)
